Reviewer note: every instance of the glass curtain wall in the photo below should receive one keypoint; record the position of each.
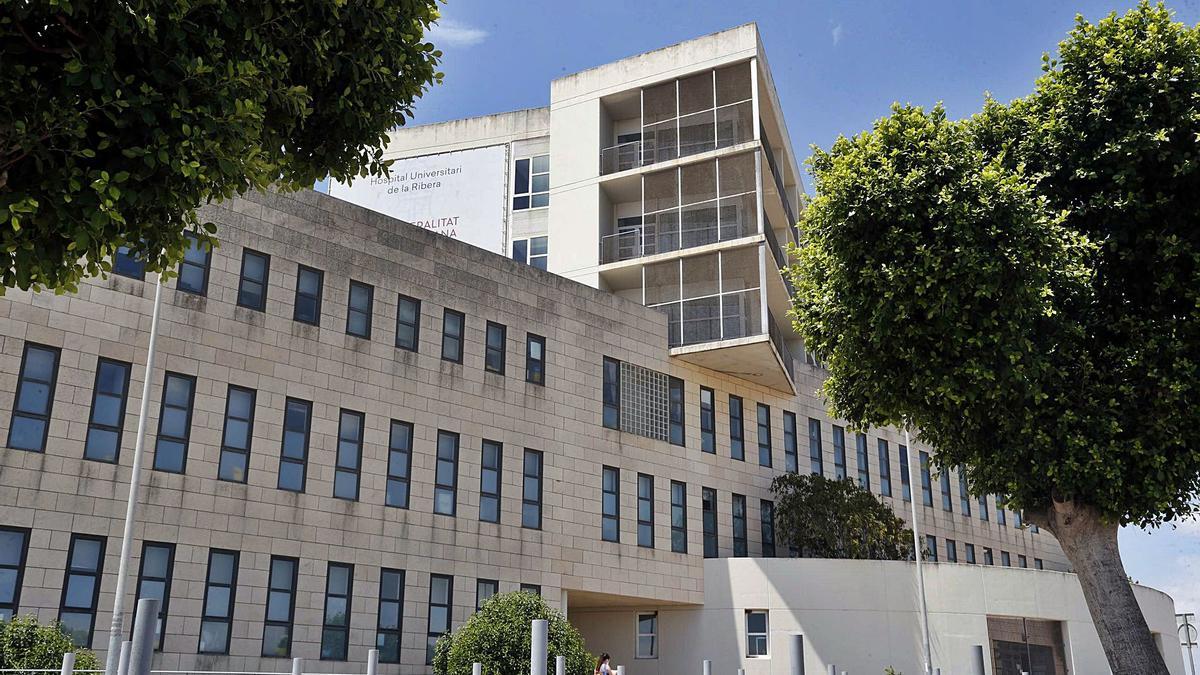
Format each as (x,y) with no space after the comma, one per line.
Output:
(708,297)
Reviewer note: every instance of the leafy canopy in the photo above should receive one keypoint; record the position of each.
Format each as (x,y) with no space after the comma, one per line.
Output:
(26,645)
(1023,287)
(824,518)
(118,119)
(498,636)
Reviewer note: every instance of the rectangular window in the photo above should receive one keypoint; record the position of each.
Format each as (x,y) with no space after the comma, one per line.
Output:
(193,269)
(766,510)
(441,595)
(610,519)
(335,628)
(905,478)
(839,453)
(309,285)
(535,359)
(951,551)
(281,607)
(532,588)
(34,398)
(349,455)
(453,325)
(1038,564)
(647,635)
(252,286)
(81,591)
(489,481)
(756,633)
(816,456)
(612,393)
(14,548)
(645,510)
(408,323)
(864,462)
(533,251)
(400,439)
(390,624)
(1017,519)
(108,411)
(359,307)
(531,182)
(764,435)
(983,507)
(531,490)
(926,480)
(220,588)
(445,490)
(1005,559)
(484,590)
(987,557)
(494,347)
(1022,561)
(944,483)
(708,503)
(931,553)
(293,454)
(1000,515)
(239,430)
(964,492)
(128,264)
(791,447)
(740,548)
(154,581)
(675,410)
(708,421)
(679,542)
(885,468)
(737,429)
(174,423)
(969,551)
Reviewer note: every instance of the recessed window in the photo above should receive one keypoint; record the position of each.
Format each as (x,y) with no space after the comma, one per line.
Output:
(533,251)
(675,410)
(128,264)
(193,269)
(766,510)
(816,455)
(647,635)
(484,590)
(535,359)
(309,287)
(708,503)
(408,323)
(335,628)
(740,548)
(757,636)
(987,557)
(532,588)
(494,347)
(81,590)
(390,622)
(944,481)
(293,459)
(931,552)
(951,551)
(610,525)
(905,479)
(708,421)
(34,399)
(612,393)
(839,452)
(926,481)
(969,553)
(445,490)
(453,325)
(983,507)
(964,492)
(109,396)
(679,542)
(1001,518)
(220,589)
(174,423)
(764,435)
(531,490)
(531,182)
(154,581)
(490,481)
(239,430)
(1005,559)
(737,429)
(1022,561)
(441,595)
(358,309)
(349,455)
(1038,564)
(864,462)
(791,453)
(885,468)
(399,469)
(645,510)
(281,607)
(14,547)
(252,286)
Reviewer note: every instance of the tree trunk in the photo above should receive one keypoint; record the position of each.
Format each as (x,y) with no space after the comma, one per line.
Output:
(1091,546)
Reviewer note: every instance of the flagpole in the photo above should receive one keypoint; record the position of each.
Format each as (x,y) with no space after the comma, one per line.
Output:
(918,553)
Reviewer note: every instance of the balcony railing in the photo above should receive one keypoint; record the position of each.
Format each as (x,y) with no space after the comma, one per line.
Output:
(621,157)
(781,259)
(724,316)
(776,335)
(677,228)
(691,134)
(783,195)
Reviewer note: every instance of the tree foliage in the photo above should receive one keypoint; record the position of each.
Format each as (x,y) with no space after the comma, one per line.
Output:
(498,636)
(824,518)
(1023,287)
(27,645)
(118,119)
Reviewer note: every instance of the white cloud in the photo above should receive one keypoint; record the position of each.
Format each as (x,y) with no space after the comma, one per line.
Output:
(836,33)
(451,33)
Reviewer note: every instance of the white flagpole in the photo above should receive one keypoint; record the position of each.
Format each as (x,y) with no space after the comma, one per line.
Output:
(918,550)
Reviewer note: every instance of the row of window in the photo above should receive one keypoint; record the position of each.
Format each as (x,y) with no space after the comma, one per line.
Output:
(931,554)
(85,568)
(757,635)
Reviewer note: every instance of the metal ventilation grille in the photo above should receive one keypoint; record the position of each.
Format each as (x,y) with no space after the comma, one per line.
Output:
(644,402)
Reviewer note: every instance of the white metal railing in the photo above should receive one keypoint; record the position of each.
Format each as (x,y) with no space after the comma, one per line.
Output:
(717,127)
(709,318)
(681,227)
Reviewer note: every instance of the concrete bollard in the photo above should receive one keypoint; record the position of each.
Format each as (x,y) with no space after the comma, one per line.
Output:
(620,670)
(977,660)
(297,666)
(68,663)
(372,661)
(706,667)
(141,654)
(123,659)
(741,671)
(833,670)
(477,668)
(560,665)
(537,647)
(796,651)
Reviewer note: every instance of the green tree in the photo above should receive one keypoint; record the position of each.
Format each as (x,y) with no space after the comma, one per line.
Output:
(118,119)
(498,636)
(1023,289)
(26,645)
(824,518)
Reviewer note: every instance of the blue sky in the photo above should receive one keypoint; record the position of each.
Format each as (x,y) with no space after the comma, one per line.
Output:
(837,65)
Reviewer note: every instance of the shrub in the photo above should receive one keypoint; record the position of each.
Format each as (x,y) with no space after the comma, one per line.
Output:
(26,644)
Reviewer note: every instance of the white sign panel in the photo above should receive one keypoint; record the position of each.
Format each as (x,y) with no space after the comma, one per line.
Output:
(458,194)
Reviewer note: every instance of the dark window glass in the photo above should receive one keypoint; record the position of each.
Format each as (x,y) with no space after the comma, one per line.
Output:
(390,623)
(445,491)
(708,503)
(349,455)
(839,452)
(293,456)
(740,549)
(335,628)
(220,589)
(535,359)
(1005,559)
(453,324)
(239,429)
(34,399)
(81,589)
(128,264)
(931,553)
(539,248)
(14,547)
(610,525)
(281,607)
(309,285)
(791,458)
(645,510)
(766,510)
(947,498)
(983,507)
(408,323)
(484,590)
(1038,564)
(612,393)
(951,551)
(252,287)
(399,468)
(987,557)
(520,248)
(675,410)
(1022,561)
(359,307)
(531,588)
(969,553)
(926,481)
(737,429)
(864,462)
(1000,515)
(764,435)
(108,411)
(154,581)
(679,542)
(193,269)
(494,348)
(885,469)
(490,480)
(905,479)
(757,635)
(441,596)
(708,421)
(174,423)
(531,490)
(816,455)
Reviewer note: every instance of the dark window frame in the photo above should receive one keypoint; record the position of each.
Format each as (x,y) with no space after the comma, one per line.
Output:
(494,586)
(708,421)
(679,538)
(205,617)
(926,480)
(118,428)
(645,525)
(249,432)
(535,366)
(242,279)
(816,447)
(534,501)
(611,393)
(51,389)
(839,453)
(741,546)
(708,522)
(459,340)
(184,440)
(415,324)
(737,428)
(164,606)
(19,571)
(131,268)
(885,468)
(676,430)
(302,461)
(368,313)
(947,496)
(497,468)
(97,576)
(452,488)
(290,623)
(615,516)
(301,270)
(863,460)
(205,268)
(493,353)
(905,477)
(349,598)
(406,454)
(765,449)
(766,522)
(432,635)
(398,631)
(791,443)
(356,469)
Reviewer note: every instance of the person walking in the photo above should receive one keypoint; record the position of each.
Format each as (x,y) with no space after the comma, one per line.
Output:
(602,667)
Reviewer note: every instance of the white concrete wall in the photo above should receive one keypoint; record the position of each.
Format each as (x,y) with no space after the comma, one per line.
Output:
(860,615)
